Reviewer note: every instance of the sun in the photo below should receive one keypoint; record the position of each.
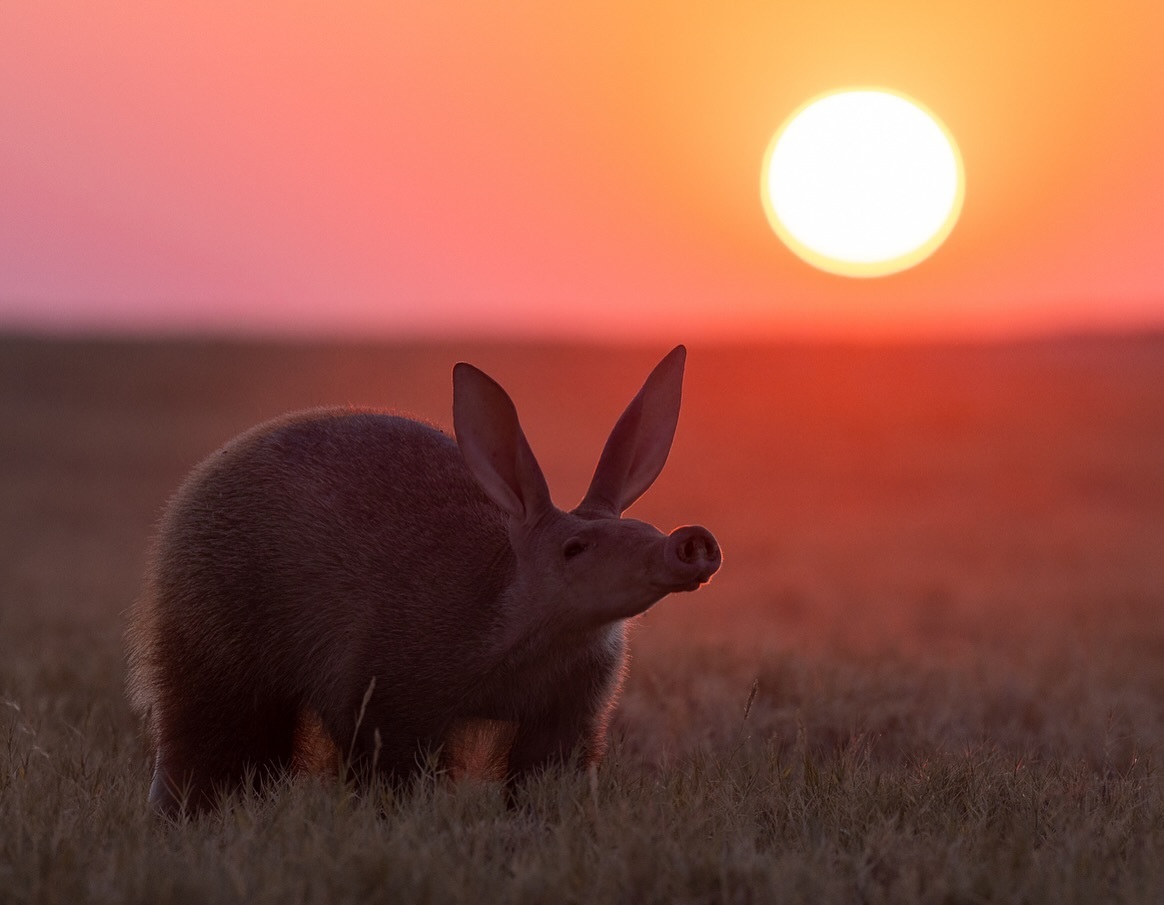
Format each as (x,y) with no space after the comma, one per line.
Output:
(862,182)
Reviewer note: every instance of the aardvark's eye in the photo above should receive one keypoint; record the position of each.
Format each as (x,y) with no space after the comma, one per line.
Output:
(573,547)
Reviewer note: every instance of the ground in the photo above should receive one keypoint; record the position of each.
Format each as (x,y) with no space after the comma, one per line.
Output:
(930,670)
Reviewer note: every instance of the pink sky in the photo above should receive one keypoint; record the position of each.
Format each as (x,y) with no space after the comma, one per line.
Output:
(566,169)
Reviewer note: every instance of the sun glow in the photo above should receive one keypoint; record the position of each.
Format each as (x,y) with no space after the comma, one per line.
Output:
(862,182)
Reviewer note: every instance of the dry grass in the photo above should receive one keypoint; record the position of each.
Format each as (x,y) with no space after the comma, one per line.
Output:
(942,608)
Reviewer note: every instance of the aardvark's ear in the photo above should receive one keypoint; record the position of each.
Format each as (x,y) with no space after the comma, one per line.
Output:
(494,446)
(638,446)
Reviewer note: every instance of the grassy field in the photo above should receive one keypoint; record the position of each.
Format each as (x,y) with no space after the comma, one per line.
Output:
(930,670)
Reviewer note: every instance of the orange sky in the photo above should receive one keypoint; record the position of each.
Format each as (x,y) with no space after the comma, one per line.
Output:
(586,169)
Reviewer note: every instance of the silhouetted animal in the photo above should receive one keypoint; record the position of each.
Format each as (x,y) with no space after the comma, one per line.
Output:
(358,573)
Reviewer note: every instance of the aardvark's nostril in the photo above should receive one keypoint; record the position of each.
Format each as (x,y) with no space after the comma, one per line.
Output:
(697,549)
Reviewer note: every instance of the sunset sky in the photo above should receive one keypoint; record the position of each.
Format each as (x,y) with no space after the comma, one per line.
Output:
(407,168)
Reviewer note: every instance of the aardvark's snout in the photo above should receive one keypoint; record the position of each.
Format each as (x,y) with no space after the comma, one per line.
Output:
(692,556)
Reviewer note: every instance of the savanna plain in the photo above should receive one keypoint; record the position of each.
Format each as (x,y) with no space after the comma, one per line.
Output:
(931,668)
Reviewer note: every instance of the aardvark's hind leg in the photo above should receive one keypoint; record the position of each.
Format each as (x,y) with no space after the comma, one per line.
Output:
(199,760)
